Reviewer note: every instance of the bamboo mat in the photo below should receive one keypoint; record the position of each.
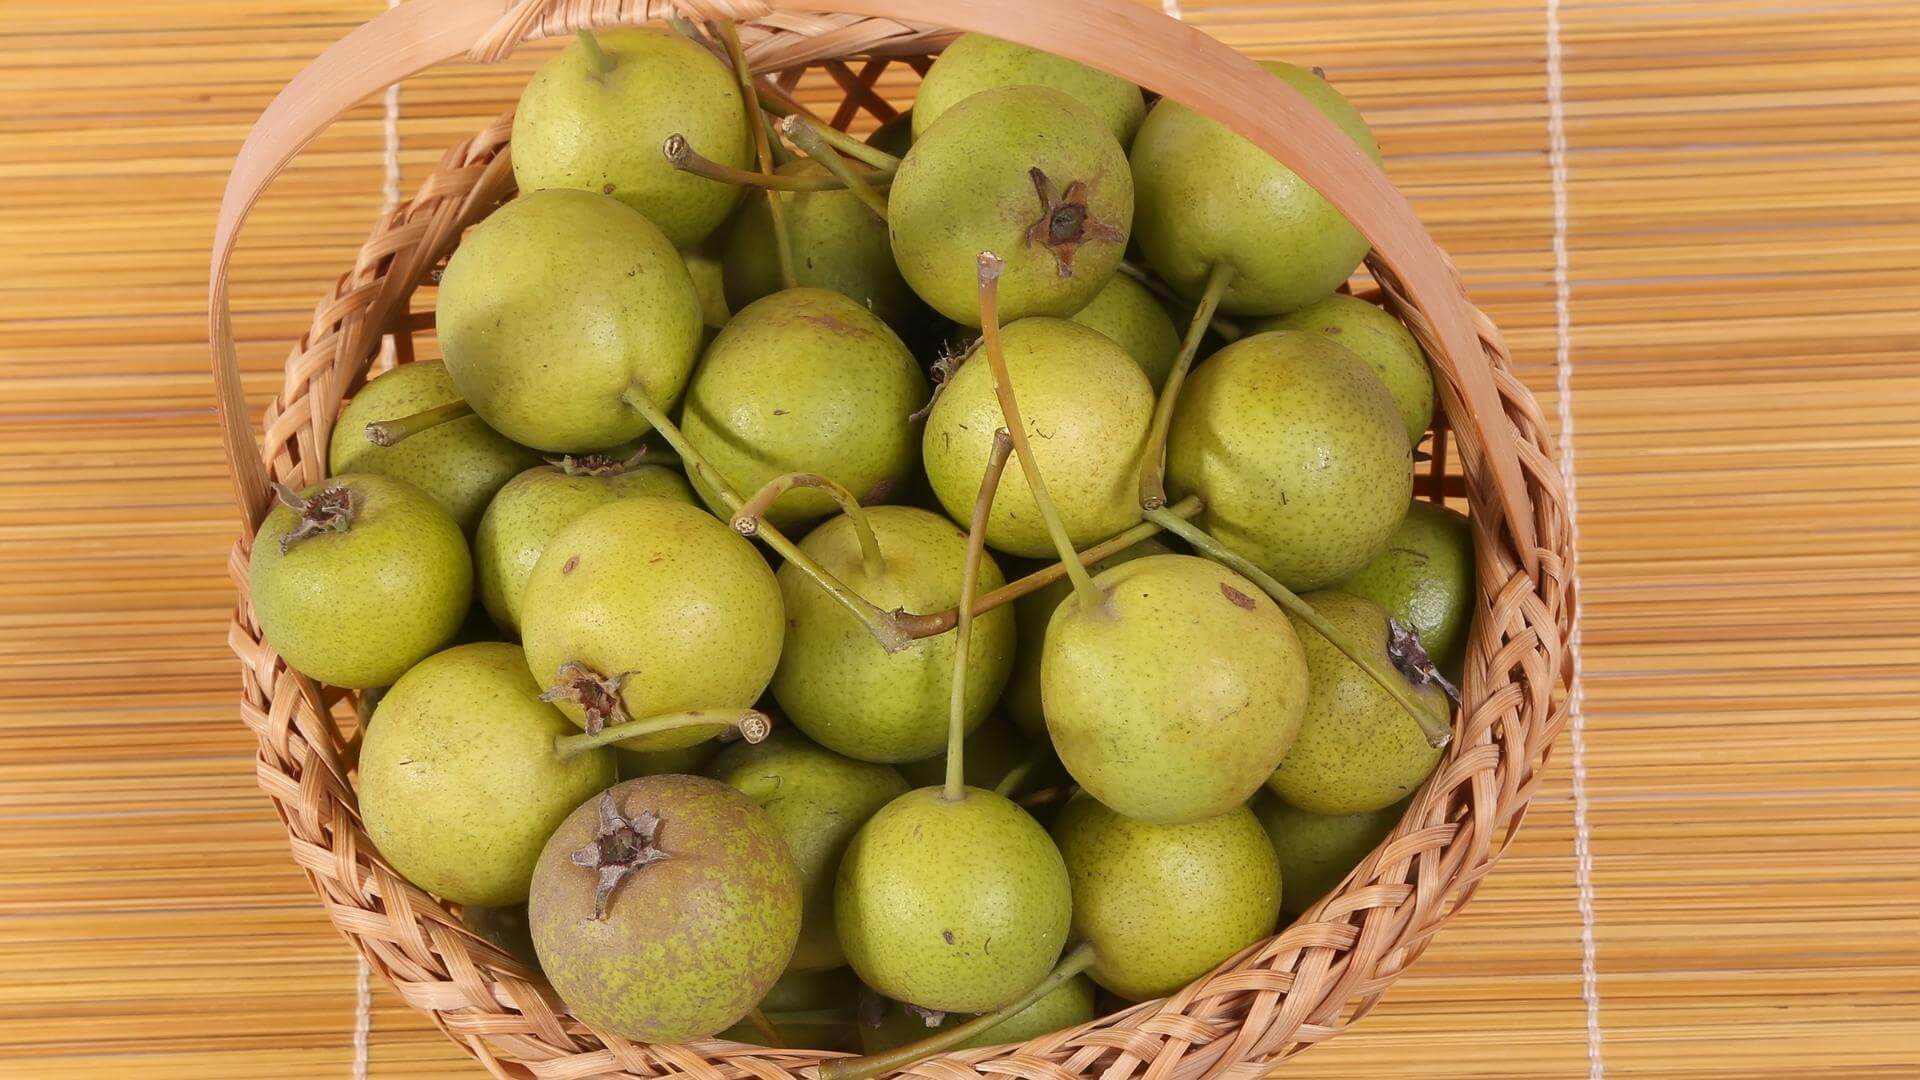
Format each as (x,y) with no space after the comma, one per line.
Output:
(1739,328)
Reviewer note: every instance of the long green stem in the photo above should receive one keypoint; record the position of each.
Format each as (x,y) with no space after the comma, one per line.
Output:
(1230,329)
(765,1028)
(881,625)
(1435,727)
(956,787)
(989,272)
(597,57)
(807,138)
(783,106)
(681,155)
(389,432)
(1077,960)
(751,516)
(935,623)
(1153,461)
(752,723)
(762,145)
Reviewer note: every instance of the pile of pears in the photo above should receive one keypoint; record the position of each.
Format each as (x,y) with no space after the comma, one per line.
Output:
(882,596)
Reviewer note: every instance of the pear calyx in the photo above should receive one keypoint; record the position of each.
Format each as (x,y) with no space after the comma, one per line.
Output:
(598,695)
(619,848)
(1065,222)
(329,510)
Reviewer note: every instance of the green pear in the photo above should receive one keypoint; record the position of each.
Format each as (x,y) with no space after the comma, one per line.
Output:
(1088,407)
(817,800)
(838,244)
(357,579)
(648,607)
(1133,317)
(461,463)
(1357,750)
(1031,614)
(460,784)
(1317,850)
(597,124)
(705,268)
(553,307)
(1027,173)
(893,136)
(1206,195)
(1424,578)
(805,380)
(536,504)
(1174,698)
(838,685)
(663,910)
(1164,904)
(1068,1005)
(956,905)
(975,62)
(1298,453)
(1388,347)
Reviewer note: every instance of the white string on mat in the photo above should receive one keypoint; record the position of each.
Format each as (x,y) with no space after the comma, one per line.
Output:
(1563,377)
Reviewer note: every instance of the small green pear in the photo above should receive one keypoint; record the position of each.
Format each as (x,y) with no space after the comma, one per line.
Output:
(597,122)
(708,272)
(664,909)
(1357,750)
(1317,850)
(1133,317)
(1173,699)
(1088,406)
(1163,904)
(460,784)
(956,905)
(536,504)
(1296,449)
(461,463)
(1206,195)
(838,244)
(1388,347)
(648,607)
(357,579)
(1068,1005)
(805,379)
(817,800)
(838,685)
(1027,173)
(1031,614)
(1425,578)
(553,307)
(975,62)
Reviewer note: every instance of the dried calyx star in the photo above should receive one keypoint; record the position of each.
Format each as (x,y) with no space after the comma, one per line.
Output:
(1410,659)
(328,510)
(1065,222)
(597,695)
(619,847)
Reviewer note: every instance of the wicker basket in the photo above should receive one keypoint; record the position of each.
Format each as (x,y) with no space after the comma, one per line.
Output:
(1271,1001)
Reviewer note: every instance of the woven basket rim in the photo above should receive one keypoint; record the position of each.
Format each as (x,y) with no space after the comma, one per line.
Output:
(1324,971)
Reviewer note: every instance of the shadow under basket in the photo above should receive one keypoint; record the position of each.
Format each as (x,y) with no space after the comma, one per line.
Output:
(1490,448)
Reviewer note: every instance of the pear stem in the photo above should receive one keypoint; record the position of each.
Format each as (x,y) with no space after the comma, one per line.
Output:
(597,57)
(753,725)
(935,623)
(1083,586)
(1227,328)
(1153,462)
(751,514)
(762,145)
(1077,960)
(681,155)
(390,432)
(1435,727)
(881,625)
(807,138)
(1018,775)
(782,106)
(765,1027)
(956,787)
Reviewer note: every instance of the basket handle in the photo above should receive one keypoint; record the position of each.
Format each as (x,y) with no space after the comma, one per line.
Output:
(1117,36)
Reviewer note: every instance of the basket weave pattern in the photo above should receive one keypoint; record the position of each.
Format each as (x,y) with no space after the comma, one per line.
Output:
(1323,972)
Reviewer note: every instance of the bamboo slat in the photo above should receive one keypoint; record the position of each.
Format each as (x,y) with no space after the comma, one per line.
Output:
(1744,270)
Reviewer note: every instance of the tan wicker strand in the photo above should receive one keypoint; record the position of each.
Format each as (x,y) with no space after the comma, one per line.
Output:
(1304,986)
